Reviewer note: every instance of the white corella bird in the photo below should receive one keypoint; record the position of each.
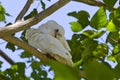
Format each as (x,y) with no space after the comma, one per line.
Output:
(49,39)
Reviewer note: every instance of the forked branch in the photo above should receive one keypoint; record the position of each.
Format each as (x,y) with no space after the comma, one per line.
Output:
(24,10)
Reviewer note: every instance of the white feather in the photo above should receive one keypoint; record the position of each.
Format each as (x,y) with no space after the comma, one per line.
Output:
(43,38)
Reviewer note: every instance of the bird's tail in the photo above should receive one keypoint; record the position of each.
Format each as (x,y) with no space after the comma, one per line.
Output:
(68,61)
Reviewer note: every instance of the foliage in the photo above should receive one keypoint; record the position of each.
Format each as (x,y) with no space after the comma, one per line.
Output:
(17,71)
(3,13)
(91,49)
(82,17)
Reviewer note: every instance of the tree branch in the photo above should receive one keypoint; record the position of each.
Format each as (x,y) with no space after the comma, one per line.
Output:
(25,46)
(33,51)
(82,74)
(22,25)
(8,59)
(24,10)
(91,2)
(94,3)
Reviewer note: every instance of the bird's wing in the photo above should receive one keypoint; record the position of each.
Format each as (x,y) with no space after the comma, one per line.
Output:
(50,45)
(32,35)
(65,44)
(31,31)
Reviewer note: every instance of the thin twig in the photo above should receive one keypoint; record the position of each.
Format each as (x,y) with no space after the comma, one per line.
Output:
(24,10)
(7,58)
(91,2)
(82,74)
(25,46)
(94,3)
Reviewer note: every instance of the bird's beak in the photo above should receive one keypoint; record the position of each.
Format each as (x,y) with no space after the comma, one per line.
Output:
(55,35)
(56,32)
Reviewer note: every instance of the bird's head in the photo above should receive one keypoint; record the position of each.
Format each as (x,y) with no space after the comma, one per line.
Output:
(53,28)
(56,29)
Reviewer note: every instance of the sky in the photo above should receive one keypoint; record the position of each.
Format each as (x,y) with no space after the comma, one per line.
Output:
(60,16)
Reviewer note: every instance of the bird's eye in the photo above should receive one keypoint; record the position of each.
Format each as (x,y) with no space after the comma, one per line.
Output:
(57,34)
(56,30)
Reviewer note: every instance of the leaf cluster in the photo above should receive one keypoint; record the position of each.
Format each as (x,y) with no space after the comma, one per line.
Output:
(95,42)
(93,46)
(3,13)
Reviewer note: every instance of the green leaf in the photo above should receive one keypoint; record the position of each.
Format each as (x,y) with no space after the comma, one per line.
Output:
(8,25)
(113,38)
(111,58)
(76,47)
(98,71)
(38,71)
(64,72)
(110,3)
(20,67)
(117,71)
(99,20)
(76,27)
(116,50)
(88,33)
(16,71)
(115,18)
(2,17)
(33,13)
(115,13)
(101,51)
(11,46)
(2,9)
(7,14)
(43,73)
(34,75)
(2,13)
(74,14)
(111,27)
(89,46)
(35,65)
(117,57)
(1,64)
(82,17)
(25,54)
(92,34)
(116,21)
(115,54)
(43,4)
(97,34)
(23,36)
